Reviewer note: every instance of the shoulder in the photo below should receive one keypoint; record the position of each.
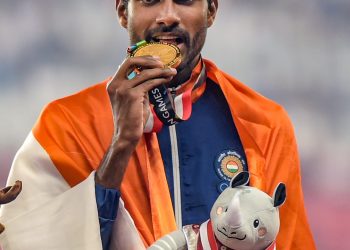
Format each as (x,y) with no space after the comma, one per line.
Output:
(87,108)
(84,103)
(86,98)
(245,102)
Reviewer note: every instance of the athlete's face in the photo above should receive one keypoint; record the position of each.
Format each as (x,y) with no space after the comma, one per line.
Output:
(181,22)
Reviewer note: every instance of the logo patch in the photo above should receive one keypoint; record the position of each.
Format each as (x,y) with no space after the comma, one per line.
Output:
(228,164)
(222,186)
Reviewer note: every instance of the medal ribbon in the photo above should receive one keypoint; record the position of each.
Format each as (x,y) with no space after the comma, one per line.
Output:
(168,108)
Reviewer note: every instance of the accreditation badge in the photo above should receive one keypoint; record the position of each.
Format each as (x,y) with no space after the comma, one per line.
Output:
(227,165)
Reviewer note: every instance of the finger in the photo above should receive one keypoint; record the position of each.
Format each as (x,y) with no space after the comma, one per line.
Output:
(19,185)
(145,75)
(129,64)
(2,228)
(16,188)
(144,62)
(149,74)
(12,194)
(5,190)
(150,84)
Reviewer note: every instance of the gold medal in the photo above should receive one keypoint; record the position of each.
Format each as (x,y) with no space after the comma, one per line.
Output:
(169,54)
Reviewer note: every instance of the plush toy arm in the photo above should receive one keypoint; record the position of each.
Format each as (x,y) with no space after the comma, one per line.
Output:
(173,241)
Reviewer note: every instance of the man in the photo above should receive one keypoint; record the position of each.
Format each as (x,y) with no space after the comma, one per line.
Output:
(90,148)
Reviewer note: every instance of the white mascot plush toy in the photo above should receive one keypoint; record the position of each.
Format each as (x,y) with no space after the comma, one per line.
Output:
(242,218)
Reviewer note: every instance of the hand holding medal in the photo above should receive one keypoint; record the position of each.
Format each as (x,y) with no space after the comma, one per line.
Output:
(129,97)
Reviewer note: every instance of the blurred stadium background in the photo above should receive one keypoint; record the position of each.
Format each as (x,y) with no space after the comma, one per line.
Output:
(296,52)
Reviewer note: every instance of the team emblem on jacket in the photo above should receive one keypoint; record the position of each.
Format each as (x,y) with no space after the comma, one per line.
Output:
(228,164)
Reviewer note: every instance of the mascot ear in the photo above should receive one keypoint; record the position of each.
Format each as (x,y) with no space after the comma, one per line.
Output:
(240,179)
(279,195)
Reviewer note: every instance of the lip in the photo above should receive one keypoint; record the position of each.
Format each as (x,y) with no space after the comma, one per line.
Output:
(168,38)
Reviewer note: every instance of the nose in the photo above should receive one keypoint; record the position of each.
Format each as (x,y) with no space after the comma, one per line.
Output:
(232,231)
(229,230)
(168,14)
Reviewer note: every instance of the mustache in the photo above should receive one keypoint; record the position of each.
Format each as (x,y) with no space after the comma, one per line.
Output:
(174,30)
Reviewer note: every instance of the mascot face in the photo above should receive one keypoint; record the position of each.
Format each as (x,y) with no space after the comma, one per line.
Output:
(246,218)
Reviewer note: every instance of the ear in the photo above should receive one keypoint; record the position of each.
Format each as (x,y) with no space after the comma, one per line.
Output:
(212,9)
(279,195)
(122,11)
(240,179)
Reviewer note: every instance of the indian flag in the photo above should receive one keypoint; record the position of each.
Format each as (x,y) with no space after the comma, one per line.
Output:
(232,166)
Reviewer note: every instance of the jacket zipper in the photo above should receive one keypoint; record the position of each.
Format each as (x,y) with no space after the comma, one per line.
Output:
(176,176)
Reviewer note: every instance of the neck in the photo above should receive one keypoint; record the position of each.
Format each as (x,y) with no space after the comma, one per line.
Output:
(184,73)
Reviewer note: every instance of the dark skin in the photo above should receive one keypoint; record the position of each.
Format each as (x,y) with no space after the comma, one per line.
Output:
(130,108)
(182,22)
(9,194)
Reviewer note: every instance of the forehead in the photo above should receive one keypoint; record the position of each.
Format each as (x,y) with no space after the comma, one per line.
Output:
(248,196)
(177,1)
